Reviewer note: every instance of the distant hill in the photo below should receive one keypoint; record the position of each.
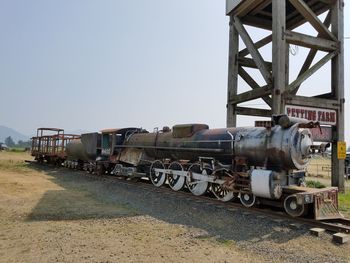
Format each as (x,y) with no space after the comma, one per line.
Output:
(16,136)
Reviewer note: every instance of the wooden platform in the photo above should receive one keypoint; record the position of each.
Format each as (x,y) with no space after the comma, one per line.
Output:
(258,13)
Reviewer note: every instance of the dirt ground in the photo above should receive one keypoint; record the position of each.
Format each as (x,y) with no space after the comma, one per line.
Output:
(74,226)
(42,220)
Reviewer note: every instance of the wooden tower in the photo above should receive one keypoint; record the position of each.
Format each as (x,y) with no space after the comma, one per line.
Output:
(282,17)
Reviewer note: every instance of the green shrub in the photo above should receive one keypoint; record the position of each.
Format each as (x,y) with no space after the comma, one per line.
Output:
(314,184)
(344,203)
(17,150)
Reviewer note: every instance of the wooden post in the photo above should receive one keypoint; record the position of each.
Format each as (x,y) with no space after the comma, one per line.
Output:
(337,19)
(278,55)
(231,119)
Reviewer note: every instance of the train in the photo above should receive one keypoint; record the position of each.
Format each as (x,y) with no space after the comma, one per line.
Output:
(259,165)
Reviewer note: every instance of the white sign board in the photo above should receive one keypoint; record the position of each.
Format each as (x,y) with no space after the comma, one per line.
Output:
(231,4)
(323,116)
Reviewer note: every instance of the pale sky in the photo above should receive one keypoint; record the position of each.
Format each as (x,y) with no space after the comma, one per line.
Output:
(90,65)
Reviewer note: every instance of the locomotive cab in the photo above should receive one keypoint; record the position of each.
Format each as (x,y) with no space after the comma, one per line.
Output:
(113,139)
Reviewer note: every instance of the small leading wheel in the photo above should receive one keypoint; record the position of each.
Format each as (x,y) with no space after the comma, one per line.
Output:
(157,177)
(222,194)
(248,200)
(176,182)
(292,207)
(197,186)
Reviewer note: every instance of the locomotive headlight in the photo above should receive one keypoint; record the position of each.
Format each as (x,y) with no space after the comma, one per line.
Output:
(307,199)
(301,143)
(305,143)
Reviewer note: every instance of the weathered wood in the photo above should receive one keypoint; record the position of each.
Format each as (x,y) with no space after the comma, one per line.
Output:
(253,112)
(296,83)
(310,42)
(298,20)
(253,51)
(251,95)
(328,95)
(341,238)
(262,42)
(311,102)
(256,21)
(287,65)
(260,7)
(278,55)
(245,7)
(266,40)
(317,231)
(310,16)
(327,2)
(252,83)
(337,20)
(312,54)
(250,63)
(231,118)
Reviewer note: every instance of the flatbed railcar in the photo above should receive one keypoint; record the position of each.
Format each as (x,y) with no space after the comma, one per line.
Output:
(49,145)
(253,164)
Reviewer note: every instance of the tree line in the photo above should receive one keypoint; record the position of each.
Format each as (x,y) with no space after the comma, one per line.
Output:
(20,144)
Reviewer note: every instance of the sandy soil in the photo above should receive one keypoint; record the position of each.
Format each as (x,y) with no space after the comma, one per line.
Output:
(41,221)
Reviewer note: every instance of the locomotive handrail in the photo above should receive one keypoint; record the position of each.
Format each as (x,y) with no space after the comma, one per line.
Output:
(171,148)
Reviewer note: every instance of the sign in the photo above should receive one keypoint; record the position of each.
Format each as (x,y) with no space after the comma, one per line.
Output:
(323,116)
(323,135)
(341,150)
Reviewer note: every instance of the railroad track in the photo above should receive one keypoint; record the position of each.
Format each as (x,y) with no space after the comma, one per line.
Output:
(333,225)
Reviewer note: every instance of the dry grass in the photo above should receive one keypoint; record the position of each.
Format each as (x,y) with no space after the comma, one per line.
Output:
(14,161)
(319,167)
(46,218)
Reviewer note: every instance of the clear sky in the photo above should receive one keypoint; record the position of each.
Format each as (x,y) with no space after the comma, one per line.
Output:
(90,65)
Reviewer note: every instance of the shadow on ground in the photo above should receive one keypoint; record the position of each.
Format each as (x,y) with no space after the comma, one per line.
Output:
(87,196)
(75,205)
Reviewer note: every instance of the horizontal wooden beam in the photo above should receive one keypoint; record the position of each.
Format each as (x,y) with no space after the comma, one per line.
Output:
(250,63)
(310,16)
(246,6)
(256,21)
(296,83)
(252,83)
(251,95)
(253,112)
(311,102)
(328,95)
(310,41)
(259,61)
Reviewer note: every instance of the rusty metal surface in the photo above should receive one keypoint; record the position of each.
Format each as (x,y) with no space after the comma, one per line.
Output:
(48,145)
(187,130)
(326,205)
(131,156)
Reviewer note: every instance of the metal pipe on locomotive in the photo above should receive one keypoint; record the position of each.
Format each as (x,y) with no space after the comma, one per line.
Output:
(254,164)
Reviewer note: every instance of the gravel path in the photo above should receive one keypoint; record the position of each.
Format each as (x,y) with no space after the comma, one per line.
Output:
(274,240)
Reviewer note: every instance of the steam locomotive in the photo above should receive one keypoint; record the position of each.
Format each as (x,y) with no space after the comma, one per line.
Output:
(256,164)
